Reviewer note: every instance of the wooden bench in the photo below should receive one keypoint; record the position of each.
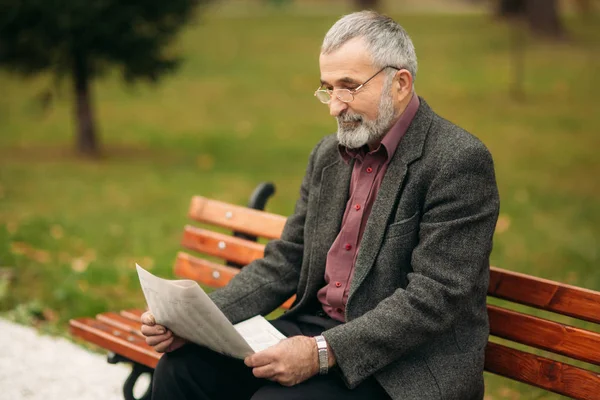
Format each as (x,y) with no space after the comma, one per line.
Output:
(119,332)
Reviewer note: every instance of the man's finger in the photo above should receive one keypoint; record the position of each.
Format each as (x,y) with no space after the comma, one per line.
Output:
(155,340)
(148,318)
(266,372)
(153,330)
(259,359)
(164,345)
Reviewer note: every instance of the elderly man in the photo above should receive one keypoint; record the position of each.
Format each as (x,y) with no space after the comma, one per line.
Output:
(387,250)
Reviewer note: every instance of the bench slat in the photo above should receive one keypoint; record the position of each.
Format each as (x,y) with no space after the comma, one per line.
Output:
(115,340)
(120,322)
(203,271)
(133,314)
(288,303)
(209,273)
(227,247)
(236,218)
(545,294)
(562,339)
(542,372)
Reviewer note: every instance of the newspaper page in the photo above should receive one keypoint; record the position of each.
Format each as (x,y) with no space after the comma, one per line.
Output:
(184,308)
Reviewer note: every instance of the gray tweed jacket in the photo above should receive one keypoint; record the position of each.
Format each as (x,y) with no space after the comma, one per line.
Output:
(416,312)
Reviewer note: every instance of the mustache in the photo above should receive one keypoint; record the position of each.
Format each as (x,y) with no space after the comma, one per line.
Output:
(349,118)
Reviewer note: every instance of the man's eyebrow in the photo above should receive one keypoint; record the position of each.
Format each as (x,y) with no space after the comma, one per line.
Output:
(345,79)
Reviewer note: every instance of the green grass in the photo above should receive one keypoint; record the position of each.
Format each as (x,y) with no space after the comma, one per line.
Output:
(241,111)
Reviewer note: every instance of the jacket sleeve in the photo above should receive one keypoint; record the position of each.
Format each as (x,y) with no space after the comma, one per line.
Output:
(266,283)
(449,265)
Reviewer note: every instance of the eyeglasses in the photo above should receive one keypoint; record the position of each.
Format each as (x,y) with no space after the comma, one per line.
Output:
(344,95)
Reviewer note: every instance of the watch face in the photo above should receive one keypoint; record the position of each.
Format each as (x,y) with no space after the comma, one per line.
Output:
(321,343)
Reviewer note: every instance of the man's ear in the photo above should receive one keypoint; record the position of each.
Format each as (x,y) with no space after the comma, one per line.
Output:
(402,85)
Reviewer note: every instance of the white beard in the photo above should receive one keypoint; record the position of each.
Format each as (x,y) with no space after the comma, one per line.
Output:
(367,131)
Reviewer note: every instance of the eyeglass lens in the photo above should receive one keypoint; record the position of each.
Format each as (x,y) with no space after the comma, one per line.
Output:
(342,94)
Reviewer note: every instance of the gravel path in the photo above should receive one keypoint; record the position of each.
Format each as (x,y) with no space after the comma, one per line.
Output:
(34,366)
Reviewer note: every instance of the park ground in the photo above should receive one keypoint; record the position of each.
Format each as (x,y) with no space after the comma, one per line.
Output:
(241,111)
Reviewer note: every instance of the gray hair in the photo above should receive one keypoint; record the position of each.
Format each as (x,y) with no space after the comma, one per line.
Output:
(387,41)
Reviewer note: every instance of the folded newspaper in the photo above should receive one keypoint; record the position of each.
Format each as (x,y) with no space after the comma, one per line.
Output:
(184,308)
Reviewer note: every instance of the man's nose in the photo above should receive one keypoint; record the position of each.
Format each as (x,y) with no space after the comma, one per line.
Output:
(336,106)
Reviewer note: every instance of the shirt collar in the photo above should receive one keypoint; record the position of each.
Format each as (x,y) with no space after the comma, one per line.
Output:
(390,141)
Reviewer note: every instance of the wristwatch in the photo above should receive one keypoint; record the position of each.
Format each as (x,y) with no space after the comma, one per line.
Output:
(323,356)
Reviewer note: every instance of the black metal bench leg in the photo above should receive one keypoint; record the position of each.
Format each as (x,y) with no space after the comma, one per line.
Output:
(136,371)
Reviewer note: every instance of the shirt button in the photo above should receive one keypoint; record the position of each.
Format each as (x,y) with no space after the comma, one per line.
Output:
(338,284)
(348,246)
(357,207)
(339,310)
(369,170)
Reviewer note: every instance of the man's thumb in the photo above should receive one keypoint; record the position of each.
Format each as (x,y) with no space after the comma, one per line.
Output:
(148,319)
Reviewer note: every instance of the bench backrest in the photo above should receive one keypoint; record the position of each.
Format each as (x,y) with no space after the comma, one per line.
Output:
(507,326)
(556,338)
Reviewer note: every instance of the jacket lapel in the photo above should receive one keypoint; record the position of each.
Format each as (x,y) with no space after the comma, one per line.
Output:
(409,149)
(333,196)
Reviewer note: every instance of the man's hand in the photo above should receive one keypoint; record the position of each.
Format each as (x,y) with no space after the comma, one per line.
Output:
(159,337)
(289,362)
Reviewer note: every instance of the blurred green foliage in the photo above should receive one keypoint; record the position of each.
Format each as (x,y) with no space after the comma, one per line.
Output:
(241,111)
(82,40)
(51,36)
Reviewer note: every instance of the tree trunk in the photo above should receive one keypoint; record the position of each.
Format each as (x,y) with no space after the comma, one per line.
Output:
(367,4)
(541,15)
(87,143)
(519,36)
(511,8)
(543,19)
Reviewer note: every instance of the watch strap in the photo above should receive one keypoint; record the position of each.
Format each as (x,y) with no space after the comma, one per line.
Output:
(323,355)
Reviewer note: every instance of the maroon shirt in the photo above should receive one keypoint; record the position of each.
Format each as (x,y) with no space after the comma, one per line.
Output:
(367,174)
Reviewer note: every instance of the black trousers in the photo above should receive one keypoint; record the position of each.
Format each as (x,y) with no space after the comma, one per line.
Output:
(194,372)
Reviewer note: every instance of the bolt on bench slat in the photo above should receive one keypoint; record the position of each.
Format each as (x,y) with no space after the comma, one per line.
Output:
(209,273)
(227,247)
(203,271)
